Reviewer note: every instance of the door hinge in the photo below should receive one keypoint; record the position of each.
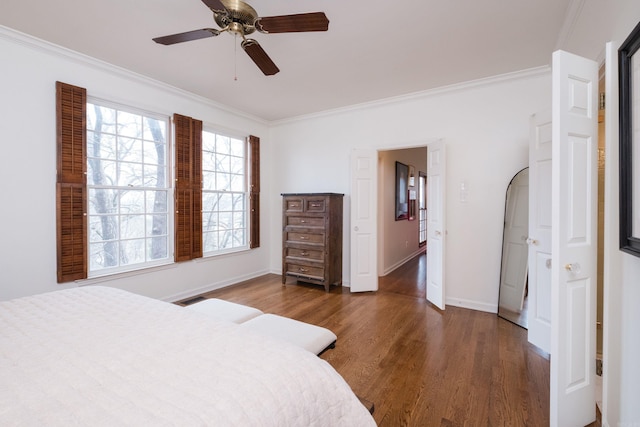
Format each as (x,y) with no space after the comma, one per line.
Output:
(601,103)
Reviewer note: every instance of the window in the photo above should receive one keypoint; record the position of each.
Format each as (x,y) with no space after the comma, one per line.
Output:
(422,180)
(211,195)
(224,193)
(119,207)
(127,188)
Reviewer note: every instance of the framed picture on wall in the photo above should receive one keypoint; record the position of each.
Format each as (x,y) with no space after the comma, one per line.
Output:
(629,85)
(402,191)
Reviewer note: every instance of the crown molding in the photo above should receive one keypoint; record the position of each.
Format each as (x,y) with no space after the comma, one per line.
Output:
(571,16)
(46,47)
(472,84)
(49,48)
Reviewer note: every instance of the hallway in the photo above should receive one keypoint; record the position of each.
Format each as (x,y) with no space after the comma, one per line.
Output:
(409,279)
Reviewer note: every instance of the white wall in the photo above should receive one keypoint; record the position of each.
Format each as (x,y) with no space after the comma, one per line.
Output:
(486,128)
(28,72)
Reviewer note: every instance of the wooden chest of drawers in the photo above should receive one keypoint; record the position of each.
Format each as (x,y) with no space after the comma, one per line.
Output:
(312,238)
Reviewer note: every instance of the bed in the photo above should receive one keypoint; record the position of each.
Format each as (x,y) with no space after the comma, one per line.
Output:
(100,356)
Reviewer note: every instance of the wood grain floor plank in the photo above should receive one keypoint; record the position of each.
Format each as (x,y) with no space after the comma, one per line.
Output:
(419,366)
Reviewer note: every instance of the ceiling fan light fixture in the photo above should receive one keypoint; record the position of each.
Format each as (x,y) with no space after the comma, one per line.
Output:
(236,28)
(236,14)
(239,18)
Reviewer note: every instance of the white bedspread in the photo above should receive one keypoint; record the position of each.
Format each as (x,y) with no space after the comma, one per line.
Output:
(98,356)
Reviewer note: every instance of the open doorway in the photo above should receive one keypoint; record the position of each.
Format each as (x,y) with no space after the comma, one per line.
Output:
(400,236)
(562,323)
(371,212)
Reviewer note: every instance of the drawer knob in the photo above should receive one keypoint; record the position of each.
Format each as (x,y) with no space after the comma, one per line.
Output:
(303,270)
(303,238)
(303,222)
(304,253)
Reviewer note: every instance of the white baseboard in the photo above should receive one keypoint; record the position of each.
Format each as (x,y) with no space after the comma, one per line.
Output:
(213,286)
(401,262)
(474,305)
(456,302)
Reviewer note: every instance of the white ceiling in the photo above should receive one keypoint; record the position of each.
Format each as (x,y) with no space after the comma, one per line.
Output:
(373,49)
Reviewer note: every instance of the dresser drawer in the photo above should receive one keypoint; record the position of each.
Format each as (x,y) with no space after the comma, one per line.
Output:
(315,204)
(310,254)
(294,205)
(316,273)
(310,238)
(304,221)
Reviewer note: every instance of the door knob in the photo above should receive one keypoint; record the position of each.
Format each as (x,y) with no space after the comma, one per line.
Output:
(572,268)
(438,233)
(531,241)
(356,228)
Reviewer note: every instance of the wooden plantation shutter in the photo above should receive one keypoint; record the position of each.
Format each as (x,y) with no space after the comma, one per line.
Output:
(254,192)
(188,188)
(71,185)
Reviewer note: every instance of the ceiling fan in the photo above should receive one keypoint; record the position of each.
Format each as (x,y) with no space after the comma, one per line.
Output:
(237,17)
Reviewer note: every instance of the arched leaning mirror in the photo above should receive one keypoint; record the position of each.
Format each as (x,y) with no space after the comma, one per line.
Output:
(512,304)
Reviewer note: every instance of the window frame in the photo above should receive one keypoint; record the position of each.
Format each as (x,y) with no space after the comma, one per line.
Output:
(246,191)
(168,188)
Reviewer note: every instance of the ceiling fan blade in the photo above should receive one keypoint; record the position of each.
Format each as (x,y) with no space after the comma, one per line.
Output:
(260,57)
(314,21)
(186,37)
(215,5)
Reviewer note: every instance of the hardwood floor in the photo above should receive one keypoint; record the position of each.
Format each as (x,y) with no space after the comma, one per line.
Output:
(420,366)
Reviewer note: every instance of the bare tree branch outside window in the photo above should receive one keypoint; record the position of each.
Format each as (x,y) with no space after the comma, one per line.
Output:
(128,194)
(225,193)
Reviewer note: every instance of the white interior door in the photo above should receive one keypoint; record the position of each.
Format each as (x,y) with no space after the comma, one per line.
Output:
(574,240)
(539,308)
(436,172)
(513,276)
(364,173)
